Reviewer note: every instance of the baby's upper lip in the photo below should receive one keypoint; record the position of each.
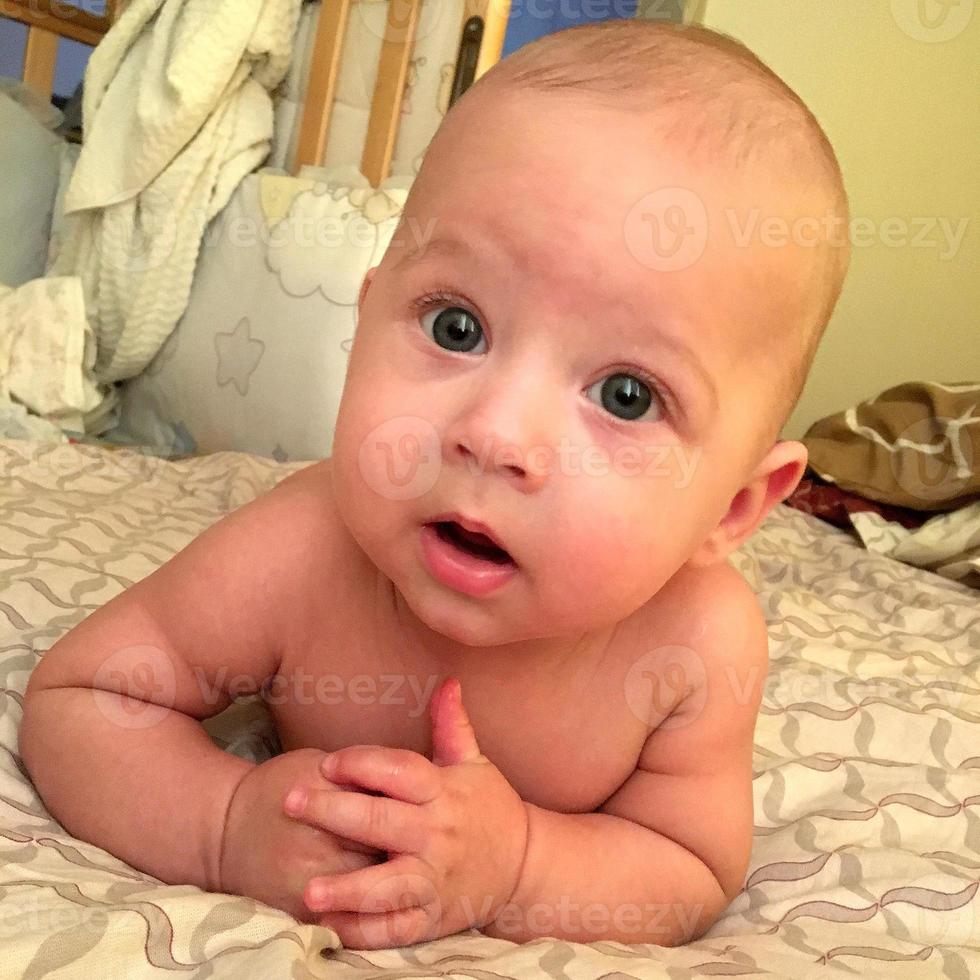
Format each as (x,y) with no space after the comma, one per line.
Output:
(477,527)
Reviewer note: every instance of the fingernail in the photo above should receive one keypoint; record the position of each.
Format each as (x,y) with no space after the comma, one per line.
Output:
(319,896)
(328,763)
(296,802)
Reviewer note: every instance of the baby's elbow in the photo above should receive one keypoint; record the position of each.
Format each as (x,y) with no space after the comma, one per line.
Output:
(731,878)
(691,921)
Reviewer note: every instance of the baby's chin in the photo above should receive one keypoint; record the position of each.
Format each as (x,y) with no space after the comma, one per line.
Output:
(460,620)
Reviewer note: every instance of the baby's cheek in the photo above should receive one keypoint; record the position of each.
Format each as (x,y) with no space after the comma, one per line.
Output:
(593,564)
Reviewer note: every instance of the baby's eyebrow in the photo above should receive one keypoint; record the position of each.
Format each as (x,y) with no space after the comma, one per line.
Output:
(450,247)
(689,356)
(454,247)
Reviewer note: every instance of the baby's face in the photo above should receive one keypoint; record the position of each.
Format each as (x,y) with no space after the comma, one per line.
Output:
(522,368)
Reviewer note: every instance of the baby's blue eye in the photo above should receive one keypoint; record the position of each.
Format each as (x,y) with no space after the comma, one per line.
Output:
(453,328)
(623,395)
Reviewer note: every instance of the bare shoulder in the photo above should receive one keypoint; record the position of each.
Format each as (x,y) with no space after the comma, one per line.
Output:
(711,623)
(295,533)
(696,761)
(296,508)
(726,618)
(226,606)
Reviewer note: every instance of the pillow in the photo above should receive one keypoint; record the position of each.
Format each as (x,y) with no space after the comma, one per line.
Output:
(30,159)
(257,363)
(915,445)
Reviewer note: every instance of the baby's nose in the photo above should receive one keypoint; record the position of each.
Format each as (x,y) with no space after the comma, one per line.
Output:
(508,425)
(511,444)
(489,457)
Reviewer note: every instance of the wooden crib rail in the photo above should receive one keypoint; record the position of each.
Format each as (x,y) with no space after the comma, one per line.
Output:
(47,21)
(386,104)
(389,89)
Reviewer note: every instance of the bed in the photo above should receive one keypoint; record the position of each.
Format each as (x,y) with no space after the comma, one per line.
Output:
(866,855)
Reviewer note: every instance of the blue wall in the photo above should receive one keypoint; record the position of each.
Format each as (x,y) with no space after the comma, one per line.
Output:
(68,70)
(13,37)
(72,56)
(529,19)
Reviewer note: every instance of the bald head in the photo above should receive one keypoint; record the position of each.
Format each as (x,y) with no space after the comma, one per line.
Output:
(709,98)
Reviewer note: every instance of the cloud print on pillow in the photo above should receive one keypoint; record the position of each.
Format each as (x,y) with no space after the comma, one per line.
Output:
(330,237)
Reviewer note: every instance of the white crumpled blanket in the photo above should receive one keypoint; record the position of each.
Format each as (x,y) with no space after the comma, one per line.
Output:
(177,111)
(46,356)
(947,544)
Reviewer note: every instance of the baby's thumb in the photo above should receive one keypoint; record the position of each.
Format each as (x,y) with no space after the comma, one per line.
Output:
(453,738)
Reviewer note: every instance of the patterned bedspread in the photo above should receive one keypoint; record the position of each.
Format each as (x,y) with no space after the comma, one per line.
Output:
(867,763)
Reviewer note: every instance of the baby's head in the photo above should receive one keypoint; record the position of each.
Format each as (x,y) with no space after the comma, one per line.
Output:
(598,310)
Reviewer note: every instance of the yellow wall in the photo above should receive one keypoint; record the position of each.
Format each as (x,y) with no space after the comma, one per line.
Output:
(903,113)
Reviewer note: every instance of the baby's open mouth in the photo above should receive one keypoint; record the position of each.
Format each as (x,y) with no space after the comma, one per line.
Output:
(472,542)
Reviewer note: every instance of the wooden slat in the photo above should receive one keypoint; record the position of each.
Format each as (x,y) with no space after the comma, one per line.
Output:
(389,90)
(40,57)
(57,18)
(321,87)
(495,14)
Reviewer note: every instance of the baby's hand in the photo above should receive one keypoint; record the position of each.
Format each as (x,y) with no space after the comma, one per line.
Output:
(269,857)
(455,830)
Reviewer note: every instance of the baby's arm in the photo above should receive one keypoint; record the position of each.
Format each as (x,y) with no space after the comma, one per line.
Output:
(665,854)
(135,772)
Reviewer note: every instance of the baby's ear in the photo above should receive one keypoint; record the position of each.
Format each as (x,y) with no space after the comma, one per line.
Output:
(773,480)
(365,285)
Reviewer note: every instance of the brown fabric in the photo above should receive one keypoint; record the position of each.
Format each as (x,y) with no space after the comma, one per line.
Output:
(832,504)
(916,445)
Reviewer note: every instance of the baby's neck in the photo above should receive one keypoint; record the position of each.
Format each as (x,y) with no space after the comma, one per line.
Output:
(451,655)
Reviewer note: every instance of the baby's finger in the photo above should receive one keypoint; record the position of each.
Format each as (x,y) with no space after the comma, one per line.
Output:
(389,825)
(379,888)
(398,773)
(382,931)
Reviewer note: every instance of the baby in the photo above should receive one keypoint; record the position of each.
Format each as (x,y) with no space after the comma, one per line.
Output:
(561,416)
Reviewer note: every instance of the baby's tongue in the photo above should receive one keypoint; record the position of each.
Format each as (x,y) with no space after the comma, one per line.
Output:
(475,543)
(474,537)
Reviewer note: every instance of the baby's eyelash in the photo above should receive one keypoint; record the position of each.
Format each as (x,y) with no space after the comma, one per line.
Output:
(444,297)
(439,297)
(660,391)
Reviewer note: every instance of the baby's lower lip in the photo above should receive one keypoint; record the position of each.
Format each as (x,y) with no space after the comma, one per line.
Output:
(459,570)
